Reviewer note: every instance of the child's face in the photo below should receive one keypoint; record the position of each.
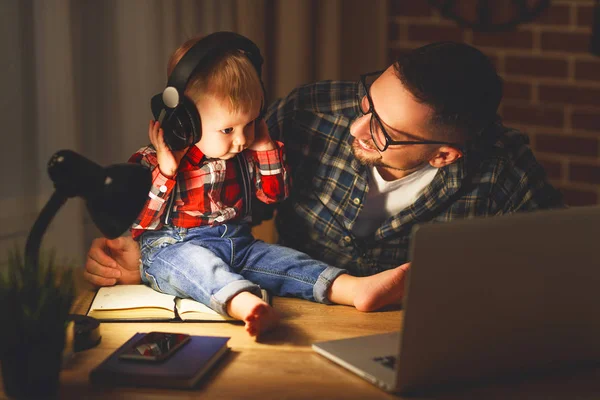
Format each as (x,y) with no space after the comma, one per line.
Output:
(224,132)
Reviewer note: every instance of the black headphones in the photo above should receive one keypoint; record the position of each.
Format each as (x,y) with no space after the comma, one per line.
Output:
(177,114)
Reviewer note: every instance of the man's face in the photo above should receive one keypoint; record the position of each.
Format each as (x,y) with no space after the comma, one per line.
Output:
(224,132)
(404,119)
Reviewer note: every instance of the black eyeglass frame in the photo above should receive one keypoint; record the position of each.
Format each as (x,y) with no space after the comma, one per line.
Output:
(376,119)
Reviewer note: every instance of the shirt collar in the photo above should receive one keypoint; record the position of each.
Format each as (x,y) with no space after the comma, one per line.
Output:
(194,155)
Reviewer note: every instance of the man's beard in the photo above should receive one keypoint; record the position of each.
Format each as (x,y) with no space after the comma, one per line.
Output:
(359,153)
(376,160)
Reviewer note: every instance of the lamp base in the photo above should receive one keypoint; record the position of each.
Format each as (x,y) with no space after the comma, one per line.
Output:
(86,333)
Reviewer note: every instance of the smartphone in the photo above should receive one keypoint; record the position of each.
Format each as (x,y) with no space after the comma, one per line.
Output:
(155,346)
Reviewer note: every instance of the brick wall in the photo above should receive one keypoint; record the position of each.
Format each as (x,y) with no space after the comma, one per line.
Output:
(552,83)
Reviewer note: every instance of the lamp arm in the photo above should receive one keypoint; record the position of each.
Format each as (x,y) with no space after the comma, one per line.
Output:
(32,247)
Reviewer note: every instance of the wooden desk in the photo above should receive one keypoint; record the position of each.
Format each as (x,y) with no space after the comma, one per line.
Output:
(283,365)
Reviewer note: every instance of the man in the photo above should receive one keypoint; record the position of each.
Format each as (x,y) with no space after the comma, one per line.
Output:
(417,143)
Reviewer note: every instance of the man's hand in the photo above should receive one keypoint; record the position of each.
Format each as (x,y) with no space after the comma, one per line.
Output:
(262,140)
(113,261)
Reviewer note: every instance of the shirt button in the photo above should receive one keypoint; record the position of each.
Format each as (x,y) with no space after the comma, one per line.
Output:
(347,239)
(163,189)
(356,201)
(218,167)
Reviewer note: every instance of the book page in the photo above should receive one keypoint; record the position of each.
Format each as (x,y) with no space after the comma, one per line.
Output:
(121,297)
(191,309)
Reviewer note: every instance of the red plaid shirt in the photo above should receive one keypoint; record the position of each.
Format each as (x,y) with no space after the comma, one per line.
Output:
(208,191)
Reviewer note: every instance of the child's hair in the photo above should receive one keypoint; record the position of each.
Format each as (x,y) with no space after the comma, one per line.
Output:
(228,76)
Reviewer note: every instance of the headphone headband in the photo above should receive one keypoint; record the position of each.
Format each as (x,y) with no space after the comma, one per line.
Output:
(207,47)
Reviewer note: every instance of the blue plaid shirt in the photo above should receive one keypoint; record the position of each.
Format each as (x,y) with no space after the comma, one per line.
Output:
(329,185)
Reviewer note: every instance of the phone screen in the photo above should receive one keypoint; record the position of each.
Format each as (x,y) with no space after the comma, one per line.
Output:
(155,346)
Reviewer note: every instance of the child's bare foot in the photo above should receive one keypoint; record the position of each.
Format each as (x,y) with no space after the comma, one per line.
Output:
(258,315)
(369,293)
(380,290)
(262,319)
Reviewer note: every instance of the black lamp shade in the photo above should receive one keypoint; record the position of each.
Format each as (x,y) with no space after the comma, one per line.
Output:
(124,192)
(114,195)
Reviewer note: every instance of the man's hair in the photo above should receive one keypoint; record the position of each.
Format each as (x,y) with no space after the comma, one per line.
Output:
(458,82)
(230,76)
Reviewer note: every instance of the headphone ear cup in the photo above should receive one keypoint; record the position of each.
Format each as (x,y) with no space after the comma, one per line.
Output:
(188,107)
(181,125)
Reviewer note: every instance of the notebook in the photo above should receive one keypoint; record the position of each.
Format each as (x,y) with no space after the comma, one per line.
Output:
(142,303)
(182,370)
(488,298)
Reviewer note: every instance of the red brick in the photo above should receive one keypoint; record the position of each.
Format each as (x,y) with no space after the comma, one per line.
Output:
(501,13)
(567,145)
(511,39)
(585,16)
(587,70)
(410,8)
(569,95)
(534,115)
(585,173)
(553,168)
(465,8)
(586,120)
(568,42)
(517,91)
(574,197)
(554,15)
(433,33)
(536,66)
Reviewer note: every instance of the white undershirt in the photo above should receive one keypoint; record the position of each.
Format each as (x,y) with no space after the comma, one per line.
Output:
(387,198)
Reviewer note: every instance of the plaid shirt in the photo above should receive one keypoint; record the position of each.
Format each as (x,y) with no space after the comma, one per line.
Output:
(208,191)
(330,185)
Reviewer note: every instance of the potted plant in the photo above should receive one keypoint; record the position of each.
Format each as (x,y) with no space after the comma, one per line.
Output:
(34,302)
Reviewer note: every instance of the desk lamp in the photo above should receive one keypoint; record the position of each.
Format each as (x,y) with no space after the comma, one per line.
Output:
(34,302)
(114,196)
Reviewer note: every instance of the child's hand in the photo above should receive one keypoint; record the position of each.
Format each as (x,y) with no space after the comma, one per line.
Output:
(262,140)
(168,161)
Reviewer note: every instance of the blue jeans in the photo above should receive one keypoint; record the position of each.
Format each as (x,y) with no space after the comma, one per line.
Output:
(213,264)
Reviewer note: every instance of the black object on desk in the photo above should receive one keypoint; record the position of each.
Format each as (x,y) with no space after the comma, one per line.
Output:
(86,332)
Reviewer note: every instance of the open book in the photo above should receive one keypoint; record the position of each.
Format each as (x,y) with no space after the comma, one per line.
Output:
(142,303)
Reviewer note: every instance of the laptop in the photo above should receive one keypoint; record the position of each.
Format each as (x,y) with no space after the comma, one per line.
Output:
(488,298)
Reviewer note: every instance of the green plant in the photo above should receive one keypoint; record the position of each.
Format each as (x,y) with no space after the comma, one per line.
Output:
(34,305)
(34,297)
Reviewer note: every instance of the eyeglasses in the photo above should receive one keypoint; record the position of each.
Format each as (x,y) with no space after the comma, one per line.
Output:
(379,135)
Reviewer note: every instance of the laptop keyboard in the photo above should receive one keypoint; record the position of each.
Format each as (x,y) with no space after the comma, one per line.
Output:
(386,361)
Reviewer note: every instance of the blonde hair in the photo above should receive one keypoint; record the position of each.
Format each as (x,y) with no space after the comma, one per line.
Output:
(229,76)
